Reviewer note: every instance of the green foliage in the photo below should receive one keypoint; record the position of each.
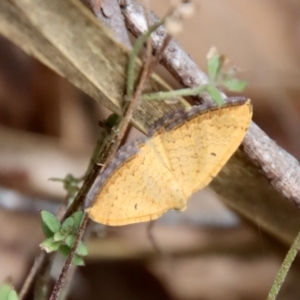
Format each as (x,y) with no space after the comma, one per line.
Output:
(77,216)
(234,85)
(81,249)
(67,226)
(219,77)
(7,292)
(50,245)
(214,93)
(50,222)
(71,185)
(214,66)
(64,250)
(111,121)
(61,237)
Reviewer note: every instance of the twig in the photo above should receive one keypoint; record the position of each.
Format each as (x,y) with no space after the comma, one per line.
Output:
(159,53)
(131,63)
(41,285)
(151,238)
(31,275)
(68,263)
(63,295)
(109,13)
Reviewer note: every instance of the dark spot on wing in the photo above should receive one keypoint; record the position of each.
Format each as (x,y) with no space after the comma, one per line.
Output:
(135,206)
(213,154)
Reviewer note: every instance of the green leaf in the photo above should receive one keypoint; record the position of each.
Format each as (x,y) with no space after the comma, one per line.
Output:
(112,120)
(70,240)
(7,292)
(49,245)
(214,94)
(78,215)
(78,261)
(64,250)
(47,232)
(58,237)
(234,85)
(67,225)
(12,295)
(4,291)
(82,249)
(50,221)
(70,183)
(214,66)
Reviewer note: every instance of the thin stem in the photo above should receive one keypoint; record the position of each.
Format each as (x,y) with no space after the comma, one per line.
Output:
(88,181)
(63,295)
(96,152)
(41,286)
(32,273)
(133,55)
(175,93)
(286,265)
(61,279)
(159,53)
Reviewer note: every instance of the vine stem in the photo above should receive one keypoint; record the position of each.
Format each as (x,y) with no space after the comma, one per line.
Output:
(133,55)
(283,271)
(30,277)
(68,263)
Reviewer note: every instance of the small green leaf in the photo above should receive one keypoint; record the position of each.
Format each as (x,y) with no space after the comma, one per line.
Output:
(12,295)
(78,215)
(4,290)
(81,248)
(7,292)
(64,250)
(111,121)
(67,225)
(235,85)
(49,245)
(70,183)
(58,237)
(214,94)
(47,232)
(78,261)
(70,240)
(50,221)
(214,66)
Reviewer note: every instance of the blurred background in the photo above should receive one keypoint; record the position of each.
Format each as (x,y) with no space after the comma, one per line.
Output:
(48,129)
